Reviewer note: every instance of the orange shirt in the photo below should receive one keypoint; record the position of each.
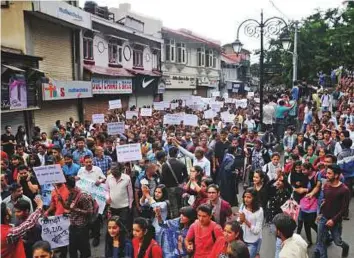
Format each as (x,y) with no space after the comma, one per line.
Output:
(64,193)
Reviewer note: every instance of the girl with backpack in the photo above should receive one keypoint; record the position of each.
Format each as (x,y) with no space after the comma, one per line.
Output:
(144,246)
(158,204)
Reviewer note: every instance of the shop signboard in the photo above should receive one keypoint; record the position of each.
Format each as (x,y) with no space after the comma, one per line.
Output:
(58,90)
(64,11)
(112,85)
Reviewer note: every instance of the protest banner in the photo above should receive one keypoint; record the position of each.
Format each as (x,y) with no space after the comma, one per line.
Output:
(115,128)
(209,114)
(174,105)
(129,152)
(215,94)
(160,105)
(172,119)
(98,118)
(250,94)
(130,114)
(97,192)
(191,120)
(241,103)
(51,174)
(167,104)
(55,230)
(114,104)
(145,111)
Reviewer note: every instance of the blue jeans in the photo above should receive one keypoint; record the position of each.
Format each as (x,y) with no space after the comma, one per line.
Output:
(254,248)
(322,234)
(277,247)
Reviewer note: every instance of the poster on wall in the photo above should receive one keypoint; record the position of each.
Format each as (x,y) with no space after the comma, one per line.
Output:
(18,93)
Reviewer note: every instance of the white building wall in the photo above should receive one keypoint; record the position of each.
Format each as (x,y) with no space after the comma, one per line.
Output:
(152,26)
(101,58)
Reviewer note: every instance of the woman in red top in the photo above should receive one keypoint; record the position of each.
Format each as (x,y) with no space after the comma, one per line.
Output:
(232,232)
(144,245)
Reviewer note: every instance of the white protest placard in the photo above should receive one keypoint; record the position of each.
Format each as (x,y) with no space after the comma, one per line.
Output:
(115,128)
(225,95)
(209,114)
(228,100)
(114,104)
(159,105)
(97,192)
(172,119)
(55,230)
(257,100)
(130,114)
(215,94)
(190,120)
(189,102)
(250,94)
(98,118)
(167,104)
(241,103)
(51,174)
(145,111)
(129,152)
(247,88)
(215,106)
(174,105)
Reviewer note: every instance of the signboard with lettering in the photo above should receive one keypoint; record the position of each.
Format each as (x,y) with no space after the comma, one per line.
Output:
(64,11)
(51,174)
(57,90)
(55,230)
(129,152)
(111,86)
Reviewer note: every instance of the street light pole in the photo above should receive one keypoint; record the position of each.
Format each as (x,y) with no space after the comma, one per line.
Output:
(254,28)
(261,70)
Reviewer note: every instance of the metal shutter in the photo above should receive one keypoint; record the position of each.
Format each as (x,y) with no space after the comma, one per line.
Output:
(52,111)
(53,43)
(14,119)
(170,95)
(99,104)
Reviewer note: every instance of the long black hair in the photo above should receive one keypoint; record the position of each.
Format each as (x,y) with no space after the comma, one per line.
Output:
(190,213)
(236,228)
(164,193)
(121,238)
(255,202)
(149,234)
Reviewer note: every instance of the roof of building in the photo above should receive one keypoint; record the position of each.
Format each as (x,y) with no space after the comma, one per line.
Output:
(191,35)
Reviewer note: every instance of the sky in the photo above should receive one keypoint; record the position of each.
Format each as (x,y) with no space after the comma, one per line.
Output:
(219,19)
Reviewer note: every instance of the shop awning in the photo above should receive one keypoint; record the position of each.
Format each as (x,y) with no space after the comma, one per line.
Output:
(145,72)
(13,68)
(110,71)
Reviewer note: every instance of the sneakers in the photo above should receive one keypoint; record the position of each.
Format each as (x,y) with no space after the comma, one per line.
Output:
(345,252)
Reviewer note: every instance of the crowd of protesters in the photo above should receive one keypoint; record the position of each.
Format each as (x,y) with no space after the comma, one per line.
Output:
(181,199)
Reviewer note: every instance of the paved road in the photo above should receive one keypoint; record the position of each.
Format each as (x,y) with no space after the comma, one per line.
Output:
(268,242)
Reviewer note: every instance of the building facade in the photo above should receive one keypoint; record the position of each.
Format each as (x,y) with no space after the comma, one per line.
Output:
(121,60)
(235,70)
(191,64)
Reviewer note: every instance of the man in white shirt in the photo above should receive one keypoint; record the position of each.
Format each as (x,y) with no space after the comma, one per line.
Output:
(198,158)
(95,174)
(268,113)
(120,192)
(293,246)
(90,172)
